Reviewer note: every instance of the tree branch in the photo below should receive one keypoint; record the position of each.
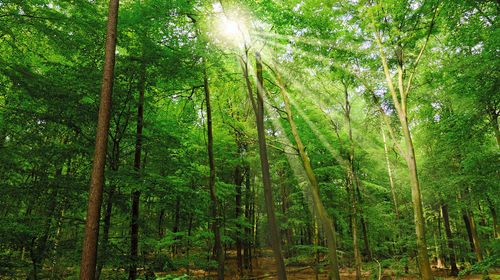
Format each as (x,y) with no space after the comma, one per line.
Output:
(386,119)
(421,52)
(386,69)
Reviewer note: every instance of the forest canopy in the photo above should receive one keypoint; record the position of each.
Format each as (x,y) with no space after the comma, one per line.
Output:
(249,139)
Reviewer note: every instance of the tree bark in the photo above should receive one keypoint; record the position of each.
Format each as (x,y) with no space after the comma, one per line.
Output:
(89,251)
(496,228)
(437,242)
(393,190)
(363,224)
(475,237)
(238,180)
(400,105)
(213,194)
(350,184)
(468,228)
(314,187)
(115,157)
(134,224)
(266,176)
(316,244)
(288,231)
(175,227)
(247,250)
(449,237)
(422,255)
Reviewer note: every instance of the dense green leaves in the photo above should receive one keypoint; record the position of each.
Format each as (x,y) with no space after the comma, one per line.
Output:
(51,55)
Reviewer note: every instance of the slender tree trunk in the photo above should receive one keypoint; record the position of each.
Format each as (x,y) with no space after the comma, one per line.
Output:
(258,107)
(390,172)
(351,176)
(213,193)
(316,244)
(105,231)
(115,164)
(136,195)
(89,251)
(238,180)
(253,230)
(266,176)
(400,104)
(475,237)
(57,241)
(175,227)
(496,228)
(160,223)
(363,223)
(190,226)
(468,228)
(357,256)
(437,237)
(422,255)
(288,231)
(449,237)
(246,248)
(34,260)
(325,220)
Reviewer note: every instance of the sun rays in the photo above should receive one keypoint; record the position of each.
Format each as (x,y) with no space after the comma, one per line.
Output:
(315,87)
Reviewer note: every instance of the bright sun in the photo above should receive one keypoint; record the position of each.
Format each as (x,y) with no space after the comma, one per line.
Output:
(231,31)
(231,28)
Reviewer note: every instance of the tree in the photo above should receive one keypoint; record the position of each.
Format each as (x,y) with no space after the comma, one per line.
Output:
(325,220)
(377,14)
(89,252)
(258,107)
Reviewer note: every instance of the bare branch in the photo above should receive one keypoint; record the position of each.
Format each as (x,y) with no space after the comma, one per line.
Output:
(282,143)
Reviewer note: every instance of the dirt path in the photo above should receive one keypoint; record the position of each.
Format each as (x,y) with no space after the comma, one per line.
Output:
(263,268)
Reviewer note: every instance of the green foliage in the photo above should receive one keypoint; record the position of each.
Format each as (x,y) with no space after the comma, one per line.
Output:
(50,72)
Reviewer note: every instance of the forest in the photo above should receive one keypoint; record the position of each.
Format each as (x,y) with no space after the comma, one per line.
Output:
(249,139)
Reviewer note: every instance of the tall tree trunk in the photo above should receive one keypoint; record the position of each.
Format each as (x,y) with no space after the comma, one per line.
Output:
(363,223)
(105,231)
(496,228)
(175,227)
(247,251)
(190,226)
(400,104)
(390,172)
(258,106)
(422,255)
(160,223)
(246,247)
(288,231)
(238,180)
(115,164)
(449,237)
(437,242)
(475,237)
(89,251)
(136,195)
(57,241)
(314,187)
(350,180)
(468,228)
(316,244)
(213,193)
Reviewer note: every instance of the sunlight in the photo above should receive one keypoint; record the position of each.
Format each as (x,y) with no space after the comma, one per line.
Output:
(232,30)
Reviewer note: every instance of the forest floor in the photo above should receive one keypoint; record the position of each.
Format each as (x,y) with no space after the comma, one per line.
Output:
(263,268)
